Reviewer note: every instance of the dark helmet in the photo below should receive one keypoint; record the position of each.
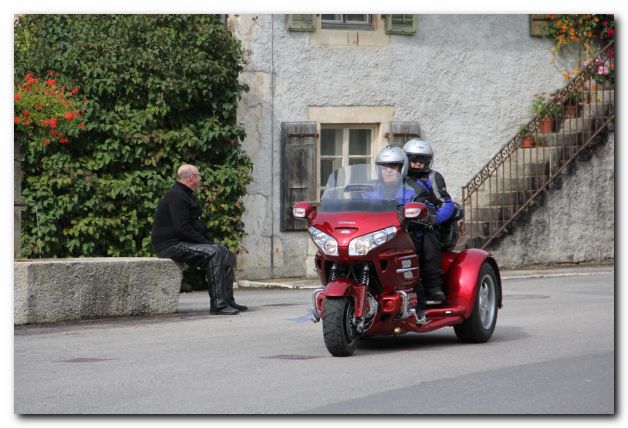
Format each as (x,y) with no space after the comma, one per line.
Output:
(393,155)
(420,150)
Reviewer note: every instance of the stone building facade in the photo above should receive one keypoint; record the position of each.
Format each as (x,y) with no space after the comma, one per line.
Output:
(345,89)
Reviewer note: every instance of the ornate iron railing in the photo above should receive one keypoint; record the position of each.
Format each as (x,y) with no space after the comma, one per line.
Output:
(509,183)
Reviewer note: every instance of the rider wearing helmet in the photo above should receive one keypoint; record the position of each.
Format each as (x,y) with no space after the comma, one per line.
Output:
(394,164)
(430,188)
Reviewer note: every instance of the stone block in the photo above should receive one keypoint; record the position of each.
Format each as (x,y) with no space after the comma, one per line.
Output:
(53,290)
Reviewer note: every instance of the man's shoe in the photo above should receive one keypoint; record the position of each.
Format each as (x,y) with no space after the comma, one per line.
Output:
(227,310)
(238,307)
(435,294)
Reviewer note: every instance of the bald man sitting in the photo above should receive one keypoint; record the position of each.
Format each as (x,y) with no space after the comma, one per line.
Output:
(178,234)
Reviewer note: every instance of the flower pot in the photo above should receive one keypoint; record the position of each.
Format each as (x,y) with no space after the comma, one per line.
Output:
(546,124)
(571,110)
(527,143)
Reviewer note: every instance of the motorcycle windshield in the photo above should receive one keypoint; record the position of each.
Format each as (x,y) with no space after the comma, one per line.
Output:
(363,187)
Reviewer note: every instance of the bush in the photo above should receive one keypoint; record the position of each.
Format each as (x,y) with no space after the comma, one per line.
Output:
(163,90)
(46,112)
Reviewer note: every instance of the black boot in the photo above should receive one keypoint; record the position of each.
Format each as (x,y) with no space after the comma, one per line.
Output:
(227,310)
(435,294)
(231,301)
(233,304)
(218,304)
(230,261)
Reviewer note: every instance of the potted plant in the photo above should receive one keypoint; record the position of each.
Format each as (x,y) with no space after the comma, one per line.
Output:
(572,100)
(526,136)
(547,111)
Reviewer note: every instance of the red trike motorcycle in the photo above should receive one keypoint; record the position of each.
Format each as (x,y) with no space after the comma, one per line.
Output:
(369,268)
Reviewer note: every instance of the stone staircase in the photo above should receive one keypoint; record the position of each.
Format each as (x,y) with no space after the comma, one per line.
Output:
(513,181)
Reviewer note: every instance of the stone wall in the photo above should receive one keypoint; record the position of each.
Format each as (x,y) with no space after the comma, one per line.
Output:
(575,223)
(469,80)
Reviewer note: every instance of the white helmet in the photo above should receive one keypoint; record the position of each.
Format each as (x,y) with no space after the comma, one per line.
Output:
(419,150)
(393,155)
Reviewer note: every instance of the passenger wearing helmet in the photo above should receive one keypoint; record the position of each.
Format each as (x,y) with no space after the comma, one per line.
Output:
(430,188)
(394,163)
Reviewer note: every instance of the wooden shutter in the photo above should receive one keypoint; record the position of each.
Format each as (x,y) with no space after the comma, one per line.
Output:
(401,24)
(300,23)
(401,132)
(539,25)
(298,169)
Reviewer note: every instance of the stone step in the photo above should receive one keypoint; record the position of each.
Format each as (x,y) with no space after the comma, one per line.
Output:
(602,96)
(527,169)
(519,166)
(567,137)
(483,199)
(499,213)
(586,126)
(533,161)
(520,183)
(481,230)
(594,109)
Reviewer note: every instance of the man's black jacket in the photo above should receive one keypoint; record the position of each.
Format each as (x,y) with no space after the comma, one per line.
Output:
(177,219)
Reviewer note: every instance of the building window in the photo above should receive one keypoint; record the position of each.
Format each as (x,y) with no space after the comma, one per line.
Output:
(539,25)
(301,22)
(342,146)
(401,24)
(345,22)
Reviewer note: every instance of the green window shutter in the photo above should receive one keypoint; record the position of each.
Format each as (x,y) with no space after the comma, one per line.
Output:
(300,23)
(401,24)
(298,170)
(539,25)
(402,132)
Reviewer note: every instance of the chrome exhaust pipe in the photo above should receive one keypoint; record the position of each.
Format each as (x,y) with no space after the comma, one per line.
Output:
(405,312)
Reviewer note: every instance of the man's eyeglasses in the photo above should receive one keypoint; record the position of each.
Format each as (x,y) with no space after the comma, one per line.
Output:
(192,175)
(390,168)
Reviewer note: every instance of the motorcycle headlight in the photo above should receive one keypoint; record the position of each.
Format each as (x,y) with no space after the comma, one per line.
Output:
(326,243)
(362,245)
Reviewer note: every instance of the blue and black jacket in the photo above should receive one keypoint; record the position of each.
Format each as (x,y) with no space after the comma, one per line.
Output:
(431,190)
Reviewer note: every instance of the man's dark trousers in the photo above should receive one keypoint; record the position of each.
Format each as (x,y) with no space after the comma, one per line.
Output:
(430,259)
(217,262)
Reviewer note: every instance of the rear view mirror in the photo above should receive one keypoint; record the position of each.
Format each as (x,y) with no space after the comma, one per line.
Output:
(302,210)
(415,211)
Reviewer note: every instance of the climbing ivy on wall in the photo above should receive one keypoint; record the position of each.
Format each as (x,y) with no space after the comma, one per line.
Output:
(163,90)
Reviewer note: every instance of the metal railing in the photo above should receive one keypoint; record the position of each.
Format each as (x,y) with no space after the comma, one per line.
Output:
(510,183)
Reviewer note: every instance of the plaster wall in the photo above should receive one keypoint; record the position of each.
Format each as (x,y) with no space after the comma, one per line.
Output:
(469,80)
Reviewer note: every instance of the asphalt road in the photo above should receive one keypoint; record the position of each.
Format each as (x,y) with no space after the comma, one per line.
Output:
(553,352)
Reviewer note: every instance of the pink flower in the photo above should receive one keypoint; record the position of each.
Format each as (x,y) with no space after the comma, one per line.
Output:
(602,70)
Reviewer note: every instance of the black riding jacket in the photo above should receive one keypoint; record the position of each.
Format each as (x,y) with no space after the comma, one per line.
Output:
(177,219)
(431,189)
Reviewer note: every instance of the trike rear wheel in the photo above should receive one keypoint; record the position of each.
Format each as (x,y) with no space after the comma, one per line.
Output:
(481,324)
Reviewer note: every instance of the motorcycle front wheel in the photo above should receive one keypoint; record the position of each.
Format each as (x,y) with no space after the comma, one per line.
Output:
(339,333)
(481,324)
